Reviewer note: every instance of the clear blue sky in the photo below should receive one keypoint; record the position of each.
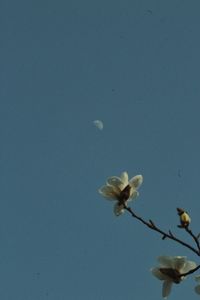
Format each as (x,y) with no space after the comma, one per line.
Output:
(134,65)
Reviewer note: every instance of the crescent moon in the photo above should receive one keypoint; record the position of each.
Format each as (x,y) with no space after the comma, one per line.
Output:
(98,124)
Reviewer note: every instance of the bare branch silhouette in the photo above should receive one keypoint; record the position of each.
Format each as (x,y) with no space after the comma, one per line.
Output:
(164,234)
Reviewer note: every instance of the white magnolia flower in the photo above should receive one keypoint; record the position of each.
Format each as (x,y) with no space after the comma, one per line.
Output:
(197,287)
(121,190)
(170,270)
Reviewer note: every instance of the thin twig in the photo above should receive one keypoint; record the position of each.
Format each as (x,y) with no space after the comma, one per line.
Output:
(195,238)
(169,235)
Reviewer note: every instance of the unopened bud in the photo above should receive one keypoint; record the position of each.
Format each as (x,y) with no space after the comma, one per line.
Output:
(185,219)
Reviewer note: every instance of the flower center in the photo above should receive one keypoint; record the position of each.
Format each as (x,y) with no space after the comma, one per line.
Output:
(172,274)
(125,194)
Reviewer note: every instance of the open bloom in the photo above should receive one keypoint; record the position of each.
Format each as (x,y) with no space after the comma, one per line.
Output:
(170,270)
(197,287)
(121,190)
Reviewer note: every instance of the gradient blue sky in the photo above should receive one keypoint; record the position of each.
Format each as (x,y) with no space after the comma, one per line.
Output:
(134,65)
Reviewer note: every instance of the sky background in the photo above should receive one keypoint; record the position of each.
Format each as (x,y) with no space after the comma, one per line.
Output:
(135,66)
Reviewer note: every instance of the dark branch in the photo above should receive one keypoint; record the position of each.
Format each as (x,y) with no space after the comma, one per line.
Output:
(165,235)
(195,238)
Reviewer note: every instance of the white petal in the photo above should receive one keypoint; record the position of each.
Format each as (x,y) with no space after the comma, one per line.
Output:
(114,181)
(156,272)
(136,181)
(117,182)
(133,194)
(179,262)
(108,192)
(166,289)
(189,265)
(118,209)
(124,178)
(197,289)
(166,261)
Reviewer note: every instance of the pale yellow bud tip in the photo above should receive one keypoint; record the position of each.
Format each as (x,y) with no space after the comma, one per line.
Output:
(185,218)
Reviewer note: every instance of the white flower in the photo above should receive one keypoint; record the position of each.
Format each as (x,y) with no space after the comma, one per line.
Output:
(197,287)
(121,190)
(170,270)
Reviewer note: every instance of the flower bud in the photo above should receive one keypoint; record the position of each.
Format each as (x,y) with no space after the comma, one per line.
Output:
(185,219)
